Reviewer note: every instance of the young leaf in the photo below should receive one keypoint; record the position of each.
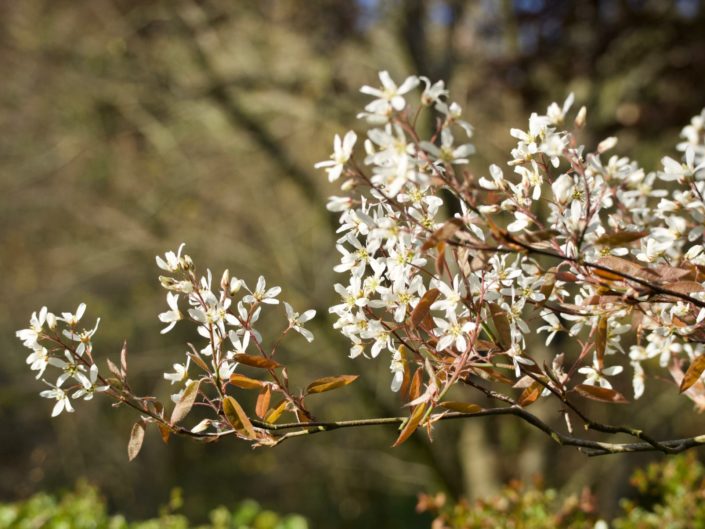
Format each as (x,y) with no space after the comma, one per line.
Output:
(237,417)
(530,394)
(123,359)
(443,233)
(462,407)
(617,264)
(501,324)
(620,237)
(599,393)
(601,340)
(241,381)
(164,431)
(134,445)
(693,374)
(423,306)
(256,361)
(329,383)
(263,399)
(410,427)
(183,407)
(276,412)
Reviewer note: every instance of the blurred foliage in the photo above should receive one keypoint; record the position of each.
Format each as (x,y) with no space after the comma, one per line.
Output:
(133,125)
(669,495)
(84,508)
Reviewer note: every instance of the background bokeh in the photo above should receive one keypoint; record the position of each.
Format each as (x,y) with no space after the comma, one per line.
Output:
(129,126)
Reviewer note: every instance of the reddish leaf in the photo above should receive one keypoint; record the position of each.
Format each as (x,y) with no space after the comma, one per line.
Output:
(165,432)
(693,374)
(600,394)
(263,402)
(601,340)
(423,306)
(685,287)
(415,385)
(530,394)
(443,233)
(620,237)
(330,383)
(134,445)
(410,426)
(237,417)
(257,361)
(617,264)
(188,397)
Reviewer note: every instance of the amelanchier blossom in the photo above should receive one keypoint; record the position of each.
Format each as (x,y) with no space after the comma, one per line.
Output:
(450,273)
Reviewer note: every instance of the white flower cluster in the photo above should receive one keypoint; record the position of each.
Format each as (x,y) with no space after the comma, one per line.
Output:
(58,342)
(564,200)
(226,323)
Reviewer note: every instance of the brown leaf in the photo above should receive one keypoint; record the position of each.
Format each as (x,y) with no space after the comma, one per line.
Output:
(501,325)
(263,399)
(530,394)
(241,381)
(237,417)
(415,385)
(693,374)
(620,237)
(410,426)
(685,287)
(329,383)
(617,264)
(600,394)
(422,308)
(462,407)
(257,361)
(165,432)
(601,340)
(672,273)
(443,233)
(134,445)
(188,397)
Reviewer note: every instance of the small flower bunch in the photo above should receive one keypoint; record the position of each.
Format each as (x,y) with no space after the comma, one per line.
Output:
(59,342)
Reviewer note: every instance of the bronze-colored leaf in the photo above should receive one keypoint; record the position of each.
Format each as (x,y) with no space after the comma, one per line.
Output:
(237,417)
(671,273)
(263,399)
(329,383)
(134,445)
(188,397)
(601,340)
(410,426)
(244,382)
(415,385)
(620,237)
(599,393)
(530,394)
(696,369)
(462,407)
(685,287)
(257,361)
(422,308)
(617,264)
(165,432)
(123,359)
(501,325)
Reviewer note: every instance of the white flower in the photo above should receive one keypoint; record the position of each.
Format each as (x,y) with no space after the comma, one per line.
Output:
(397,369)
(596,376)
(451,332)
(62,400)
(38,360)
(172,261)
(554,326)
(30,336)
(173,315)
(297,320)
(180,373)
(390,96)
(342,150)
(89,385)
(73,319)
(260,295)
